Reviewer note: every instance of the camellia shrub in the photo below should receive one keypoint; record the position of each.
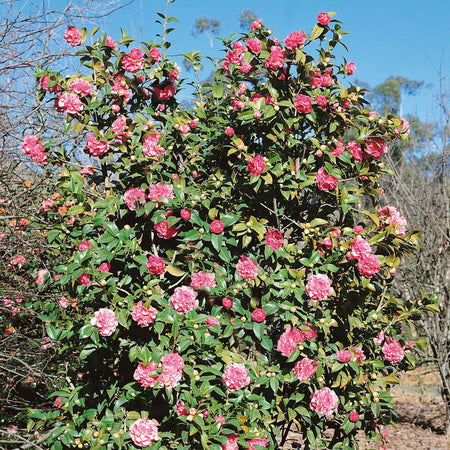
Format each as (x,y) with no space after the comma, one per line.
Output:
(231,262)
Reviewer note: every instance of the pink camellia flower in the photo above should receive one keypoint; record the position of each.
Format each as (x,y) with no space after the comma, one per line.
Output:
(344,355)
(374,148)
(227,302)
(166,93)
(247,268)
(110,42)
(353,417)
(390,216)
(294,40)
(229,131)
(404,127)
(105,320)
(164,231)
(73,36)
(324,401)
(118,126)
(202,279)
(58,402)
(276,58)
(311,333)
(143,432)
(323,18)
(254,45)
(181,410)
(274,239)
(256,24)
(134,197)
(359,248)
(33,147)
(393,351)
(368,266)
(104,267)
(81,87)
(84,245)
(155,54)
(256,165)
(184,299)
(350,68)
(232,442)
(134,61)
(84,279)
(155,265)
(63,302)
(142,374)
(338,149)
(70,103)
(358,229)
(236,376)
(151,148)
(96,146)
(185,214)
(321,100)
(379,339)
(359,355)
(305,369)
(258,315)
(287,343)
(326,80)
(216,226)
(142,315)
(326,182)
(303,104)
(355,150)
(211,321)
(172,362)
(12,429)
(319,287)
(158,191)
(257,441)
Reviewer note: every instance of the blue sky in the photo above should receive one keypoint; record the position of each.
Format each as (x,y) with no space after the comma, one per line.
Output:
(387,37)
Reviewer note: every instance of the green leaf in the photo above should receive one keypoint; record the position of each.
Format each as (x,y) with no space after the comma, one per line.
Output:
(217,90)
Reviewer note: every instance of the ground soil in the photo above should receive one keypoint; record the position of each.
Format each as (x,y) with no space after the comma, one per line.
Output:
(421,416)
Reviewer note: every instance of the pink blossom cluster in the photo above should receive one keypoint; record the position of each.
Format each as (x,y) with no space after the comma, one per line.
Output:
(374,148)
(303,104)
(184,299)
(96,147)
(236,376)
(144,432)
(151,148)
(247,268)
(134,61)
(305,369)
(389,215)
(134,197)
(160,191)
(73,36)
(324,401)
(274,239)
(172,370)
(368,264)
(202,279)
(32,146)
(288,341)
(326,182)
(143,374)
(80,87)
(142,315)
(69,103)
(163,230)
(319,287)
(295,40)
(276,58)
(155,265)
(393,351)
(256,165)
(105,320)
